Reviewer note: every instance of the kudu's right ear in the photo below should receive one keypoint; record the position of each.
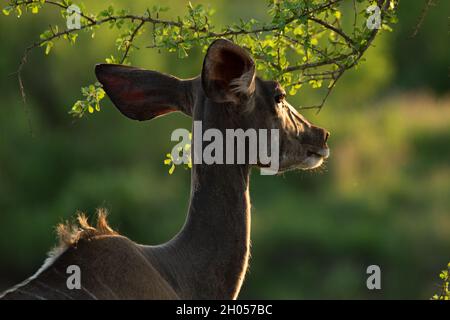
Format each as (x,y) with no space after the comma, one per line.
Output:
(143,95)
(228,73)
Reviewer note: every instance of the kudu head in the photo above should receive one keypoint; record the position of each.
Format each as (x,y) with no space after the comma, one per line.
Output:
(228,94)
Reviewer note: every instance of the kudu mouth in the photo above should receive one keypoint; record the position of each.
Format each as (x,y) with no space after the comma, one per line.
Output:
(320,153)
(317,150)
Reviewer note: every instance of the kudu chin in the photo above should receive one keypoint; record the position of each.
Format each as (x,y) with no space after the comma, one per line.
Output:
(208,258)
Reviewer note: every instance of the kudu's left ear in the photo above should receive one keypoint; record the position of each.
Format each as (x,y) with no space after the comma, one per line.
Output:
(141,94)
(228,73)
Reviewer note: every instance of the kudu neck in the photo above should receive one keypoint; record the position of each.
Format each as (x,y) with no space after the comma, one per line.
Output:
(217,230)
(219,206)
(216,235)
(208,258)
(219,198)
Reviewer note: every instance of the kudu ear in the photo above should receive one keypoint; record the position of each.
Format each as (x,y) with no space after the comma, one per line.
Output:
(228,73)
(143,95)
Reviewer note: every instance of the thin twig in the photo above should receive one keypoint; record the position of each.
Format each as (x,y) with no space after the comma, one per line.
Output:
(425,9)
(130,41)
(336,30)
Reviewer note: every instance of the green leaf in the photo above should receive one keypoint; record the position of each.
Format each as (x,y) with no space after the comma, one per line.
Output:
(19,11)
(7,10)
(100,94)
(182,53)
(34,9)
(48,47)
(338,14)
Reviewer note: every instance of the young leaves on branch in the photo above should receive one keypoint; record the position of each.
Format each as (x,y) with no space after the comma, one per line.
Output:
(92,95)
(444,292)
(304,42)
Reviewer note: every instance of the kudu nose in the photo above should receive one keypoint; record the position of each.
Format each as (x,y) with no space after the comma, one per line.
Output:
(319,135)
(315,136)
(327,135)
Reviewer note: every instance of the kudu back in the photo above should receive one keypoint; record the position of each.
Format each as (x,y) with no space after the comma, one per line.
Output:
(209,257)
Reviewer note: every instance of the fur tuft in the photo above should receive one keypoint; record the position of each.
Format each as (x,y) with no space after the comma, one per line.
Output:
(245,84)
(69,234)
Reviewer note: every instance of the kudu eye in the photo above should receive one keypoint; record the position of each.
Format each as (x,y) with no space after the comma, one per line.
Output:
(279,97)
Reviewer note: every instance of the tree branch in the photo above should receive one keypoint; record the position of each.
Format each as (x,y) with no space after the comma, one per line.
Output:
(345,54)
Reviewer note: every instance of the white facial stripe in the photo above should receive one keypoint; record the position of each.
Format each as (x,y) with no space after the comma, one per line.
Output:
(298,115)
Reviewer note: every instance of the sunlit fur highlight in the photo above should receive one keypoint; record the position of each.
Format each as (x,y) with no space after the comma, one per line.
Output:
(69,234)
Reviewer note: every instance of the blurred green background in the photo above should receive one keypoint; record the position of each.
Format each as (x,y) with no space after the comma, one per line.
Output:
(383,197)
